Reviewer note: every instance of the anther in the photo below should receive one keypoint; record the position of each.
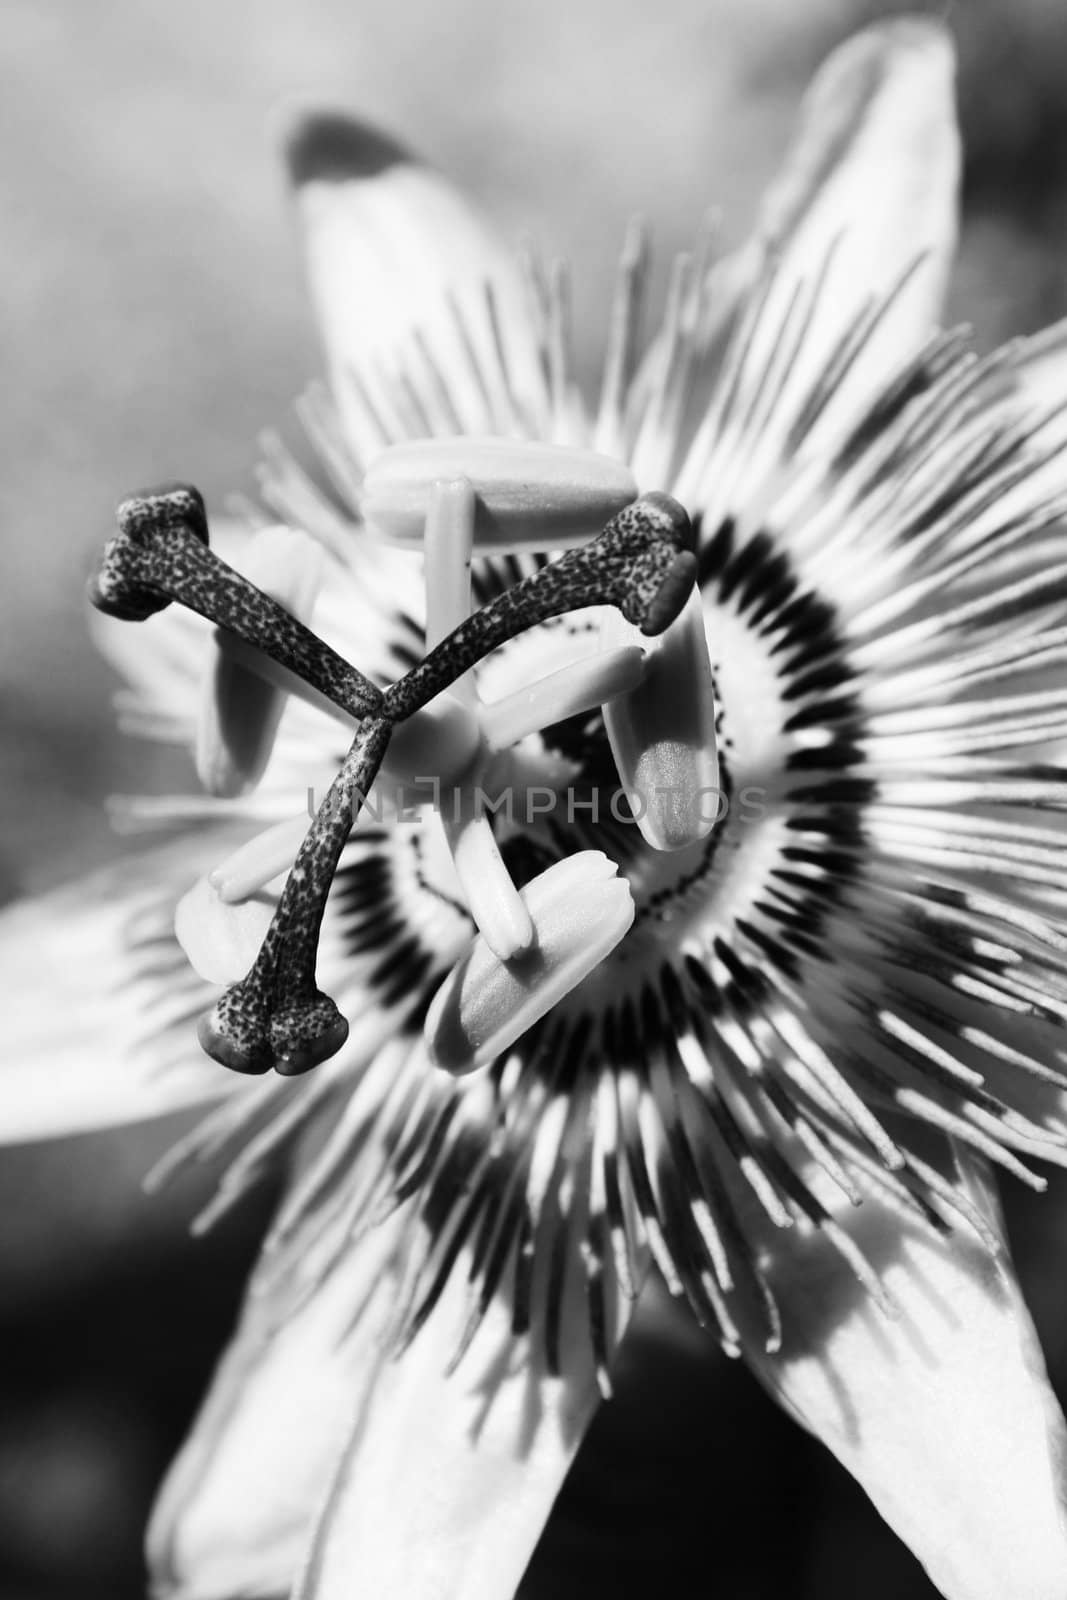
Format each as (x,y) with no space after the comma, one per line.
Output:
(527,495)
(161,554)
(642,562)
(581,909)
(662,734)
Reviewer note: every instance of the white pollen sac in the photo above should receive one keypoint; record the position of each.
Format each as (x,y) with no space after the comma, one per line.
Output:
(580,910)
(448,542)
(527,495)
(584,684)
(662,735)
(498,909)
(252,866)
(241,709)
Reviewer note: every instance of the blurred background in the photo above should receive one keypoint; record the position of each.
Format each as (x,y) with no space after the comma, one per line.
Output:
(153,321)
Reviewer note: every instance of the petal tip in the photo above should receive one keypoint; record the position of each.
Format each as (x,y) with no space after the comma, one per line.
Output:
(331,146)
(896,41)
(916,32)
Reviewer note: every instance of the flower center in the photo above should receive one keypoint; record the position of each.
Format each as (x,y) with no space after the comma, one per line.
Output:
(561,791)
(642,563)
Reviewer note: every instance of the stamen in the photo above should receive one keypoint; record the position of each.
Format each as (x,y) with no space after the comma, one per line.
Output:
(252,867)
(448,542)
(662,735)
(494,902)
(528,495)
(581,911)
(573,689)
(642,562)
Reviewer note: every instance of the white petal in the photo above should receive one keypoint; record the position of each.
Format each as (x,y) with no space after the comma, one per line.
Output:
(867,200)
(879,115)
(450,1477)
(944,1414)
(393,250)
(873,177)
(237,1508)
(99,1005)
